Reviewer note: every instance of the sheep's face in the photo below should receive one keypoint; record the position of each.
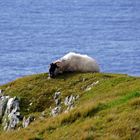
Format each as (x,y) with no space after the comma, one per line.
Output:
(53,70)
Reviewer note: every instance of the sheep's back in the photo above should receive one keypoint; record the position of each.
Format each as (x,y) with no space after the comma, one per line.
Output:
(82,63)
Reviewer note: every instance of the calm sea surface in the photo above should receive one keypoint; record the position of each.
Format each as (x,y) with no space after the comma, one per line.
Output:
(33,33)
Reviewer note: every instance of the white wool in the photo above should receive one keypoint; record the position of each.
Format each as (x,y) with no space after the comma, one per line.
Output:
(78,62)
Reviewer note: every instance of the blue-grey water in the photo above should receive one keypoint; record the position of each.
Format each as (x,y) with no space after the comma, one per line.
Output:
(33,33)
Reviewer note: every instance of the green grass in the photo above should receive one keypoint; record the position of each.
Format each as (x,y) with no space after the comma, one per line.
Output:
(109,111)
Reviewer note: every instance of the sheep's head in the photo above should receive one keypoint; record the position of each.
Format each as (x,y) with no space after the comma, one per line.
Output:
(55,68)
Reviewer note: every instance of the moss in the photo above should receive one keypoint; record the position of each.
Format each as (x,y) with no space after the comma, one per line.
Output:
(109,110)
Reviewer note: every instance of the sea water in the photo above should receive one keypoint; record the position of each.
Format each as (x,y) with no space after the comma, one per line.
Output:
(33,33)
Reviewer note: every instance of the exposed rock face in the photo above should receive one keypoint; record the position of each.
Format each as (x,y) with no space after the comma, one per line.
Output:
(89,87)
(3,104)
(27,121)
(10,113)
(57,98)
(68,102)
(55,111)
(1,92)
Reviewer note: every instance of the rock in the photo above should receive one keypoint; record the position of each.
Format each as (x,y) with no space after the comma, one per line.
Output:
(56,111)
(58,102)
(3,104)
(56,95)
(89,87)
(57,98)
(27,121)
(49,78)
(13,120)
(69,102)
(30,104)
(12,105)
(95,83)
(12,115)
(1,92)
(83,80)
(43,115)
(77,97)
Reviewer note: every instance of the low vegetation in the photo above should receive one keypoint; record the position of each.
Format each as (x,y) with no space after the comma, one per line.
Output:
(108,110)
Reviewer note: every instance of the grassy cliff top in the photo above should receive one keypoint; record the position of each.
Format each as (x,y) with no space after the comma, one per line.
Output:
(108,110)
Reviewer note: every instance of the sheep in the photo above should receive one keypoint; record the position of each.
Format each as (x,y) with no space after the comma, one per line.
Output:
(73,62)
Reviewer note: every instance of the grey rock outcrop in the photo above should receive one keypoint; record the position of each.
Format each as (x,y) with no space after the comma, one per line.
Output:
(3,104)
(57,98)
(89,87)
(26,122)
(12,115)
(69,102)
(55,111)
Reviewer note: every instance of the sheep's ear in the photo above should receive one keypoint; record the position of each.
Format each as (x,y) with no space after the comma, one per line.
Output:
(59,64)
